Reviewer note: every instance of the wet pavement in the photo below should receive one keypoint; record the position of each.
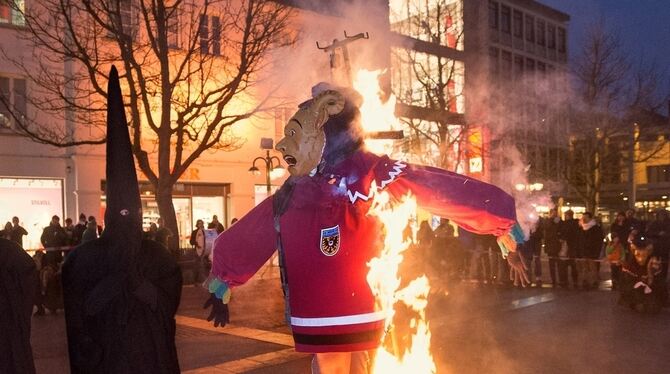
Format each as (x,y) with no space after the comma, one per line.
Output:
(475,329)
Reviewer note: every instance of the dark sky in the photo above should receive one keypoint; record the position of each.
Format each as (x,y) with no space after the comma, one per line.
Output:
(643,26)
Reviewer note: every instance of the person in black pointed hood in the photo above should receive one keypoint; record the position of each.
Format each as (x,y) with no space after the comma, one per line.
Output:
(18,287)
(121,293)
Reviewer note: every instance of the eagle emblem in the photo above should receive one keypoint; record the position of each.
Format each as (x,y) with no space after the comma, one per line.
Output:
(330,240)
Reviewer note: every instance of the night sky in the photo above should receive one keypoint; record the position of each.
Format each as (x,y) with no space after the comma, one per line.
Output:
(643,25)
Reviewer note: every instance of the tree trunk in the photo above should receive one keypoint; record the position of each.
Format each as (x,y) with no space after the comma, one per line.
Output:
(169,216)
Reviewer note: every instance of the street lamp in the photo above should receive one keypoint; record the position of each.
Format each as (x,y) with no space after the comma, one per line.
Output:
(272,170)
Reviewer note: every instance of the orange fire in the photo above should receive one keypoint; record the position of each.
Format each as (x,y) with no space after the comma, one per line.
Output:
(383,277)
(375,114)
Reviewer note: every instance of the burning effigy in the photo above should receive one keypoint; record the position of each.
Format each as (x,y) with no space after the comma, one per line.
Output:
(329,225)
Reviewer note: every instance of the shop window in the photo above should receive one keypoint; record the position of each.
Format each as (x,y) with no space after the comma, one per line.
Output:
(433,21)
(493,15)
(518,24)
(530,29)
(505,19)
(12,13)
(33,201)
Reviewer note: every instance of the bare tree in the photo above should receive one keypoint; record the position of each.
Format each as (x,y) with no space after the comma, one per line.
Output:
(189,70)
(611,93)
(432,86)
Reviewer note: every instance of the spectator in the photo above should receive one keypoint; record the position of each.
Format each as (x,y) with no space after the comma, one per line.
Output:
(635,226)
(69,231)
(198,242)
(216,225)
(6,233)
(444,255)
(151,234)
(616,255)
(98,227)
(163,234)
(658,231)
(79,228)
(53,238)
(232,222)
(591,241)
(621,228)
(482,259)
(552,243)
(18,232)
(642,288)
(91,232)
(534,259)
(570,236)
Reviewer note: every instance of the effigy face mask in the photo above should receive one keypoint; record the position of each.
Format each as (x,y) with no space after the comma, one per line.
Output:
(304,138)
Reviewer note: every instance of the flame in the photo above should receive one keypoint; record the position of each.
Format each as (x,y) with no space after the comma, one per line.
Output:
(375,114)
(383,276)
(385,282)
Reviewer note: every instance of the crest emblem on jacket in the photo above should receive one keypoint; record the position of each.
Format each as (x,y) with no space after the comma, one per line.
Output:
(330,240)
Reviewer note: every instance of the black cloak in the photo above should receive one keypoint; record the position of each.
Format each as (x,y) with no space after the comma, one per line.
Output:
(18,286)
(121,293)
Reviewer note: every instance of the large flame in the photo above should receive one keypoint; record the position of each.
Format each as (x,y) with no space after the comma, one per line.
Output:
(383,277)
(375,114)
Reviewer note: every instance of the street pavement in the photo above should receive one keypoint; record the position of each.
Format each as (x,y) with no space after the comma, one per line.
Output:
(475,329)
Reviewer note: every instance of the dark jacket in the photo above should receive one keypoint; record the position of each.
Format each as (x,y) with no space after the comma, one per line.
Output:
(591,242)
(551,233)
(570,232)
(53,236)
(78,233)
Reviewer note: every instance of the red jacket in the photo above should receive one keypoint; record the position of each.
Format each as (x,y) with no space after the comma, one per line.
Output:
(328,238)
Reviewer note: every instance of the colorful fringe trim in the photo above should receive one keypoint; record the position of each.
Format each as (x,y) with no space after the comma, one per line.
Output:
(508,242)
(219,288)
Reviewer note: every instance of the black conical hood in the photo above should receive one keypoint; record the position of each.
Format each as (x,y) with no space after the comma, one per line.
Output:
(123,217)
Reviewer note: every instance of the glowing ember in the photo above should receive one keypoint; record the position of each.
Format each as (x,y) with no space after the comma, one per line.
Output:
(375,115)
(385,282)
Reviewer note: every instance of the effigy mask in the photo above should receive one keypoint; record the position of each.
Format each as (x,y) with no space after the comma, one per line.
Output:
(304,138)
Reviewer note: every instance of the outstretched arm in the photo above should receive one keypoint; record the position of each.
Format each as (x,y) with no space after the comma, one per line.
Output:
(474,205)
(238,254)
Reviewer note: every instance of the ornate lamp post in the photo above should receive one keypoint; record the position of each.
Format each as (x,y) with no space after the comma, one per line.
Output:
(272,164)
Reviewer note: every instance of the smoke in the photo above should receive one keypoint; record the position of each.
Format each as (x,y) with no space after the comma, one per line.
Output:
(520,119)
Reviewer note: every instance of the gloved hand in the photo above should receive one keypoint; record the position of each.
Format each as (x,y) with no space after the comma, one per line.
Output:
(219,311)
(518,271)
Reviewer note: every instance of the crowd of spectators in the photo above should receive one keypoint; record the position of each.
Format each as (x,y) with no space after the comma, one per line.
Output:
(573,251)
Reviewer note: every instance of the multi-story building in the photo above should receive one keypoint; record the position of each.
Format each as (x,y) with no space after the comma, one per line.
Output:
(516,80)
(435,55)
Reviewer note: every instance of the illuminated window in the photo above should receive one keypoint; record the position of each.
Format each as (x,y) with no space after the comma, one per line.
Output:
(417,79)
(12,12)
(434,21)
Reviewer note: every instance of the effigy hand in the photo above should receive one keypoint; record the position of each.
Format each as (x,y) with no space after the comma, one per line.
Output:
(219,312)
(518,271)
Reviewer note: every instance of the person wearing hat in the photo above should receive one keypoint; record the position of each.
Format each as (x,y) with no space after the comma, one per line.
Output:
(642,287)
